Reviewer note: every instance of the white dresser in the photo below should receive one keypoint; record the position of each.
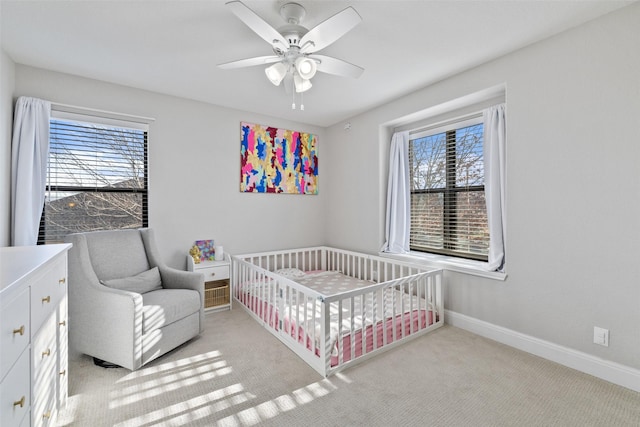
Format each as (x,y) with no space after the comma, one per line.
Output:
(33,334)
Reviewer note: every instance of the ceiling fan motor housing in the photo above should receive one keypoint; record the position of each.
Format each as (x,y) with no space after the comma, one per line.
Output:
(293,14)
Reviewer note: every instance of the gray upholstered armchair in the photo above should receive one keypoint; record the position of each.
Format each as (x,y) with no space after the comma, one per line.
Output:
(126,307)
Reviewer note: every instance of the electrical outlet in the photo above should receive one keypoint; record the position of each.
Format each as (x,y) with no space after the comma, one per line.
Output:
(601,336)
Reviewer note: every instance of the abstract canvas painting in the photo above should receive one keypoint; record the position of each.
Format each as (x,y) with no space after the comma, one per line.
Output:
(276,160)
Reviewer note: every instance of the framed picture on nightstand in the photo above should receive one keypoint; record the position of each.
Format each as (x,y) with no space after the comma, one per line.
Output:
(207,249)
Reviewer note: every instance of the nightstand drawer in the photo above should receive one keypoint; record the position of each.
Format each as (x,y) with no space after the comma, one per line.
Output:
(214,273)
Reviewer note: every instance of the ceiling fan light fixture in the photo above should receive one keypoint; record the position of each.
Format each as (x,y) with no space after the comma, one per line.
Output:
(302,84)
(306,67)
(276,72)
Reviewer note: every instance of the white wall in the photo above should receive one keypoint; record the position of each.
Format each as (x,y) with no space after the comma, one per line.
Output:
(7,77)
(194,168)
(573,197)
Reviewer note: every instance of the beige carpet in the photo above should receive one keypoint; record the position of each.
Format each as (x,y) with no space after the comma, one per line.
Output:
(237,374)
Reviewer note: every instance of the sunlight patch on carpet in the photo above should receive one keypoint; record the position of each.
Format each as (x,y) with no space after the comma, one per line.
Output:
(279,405)
(193,409)
(170,376)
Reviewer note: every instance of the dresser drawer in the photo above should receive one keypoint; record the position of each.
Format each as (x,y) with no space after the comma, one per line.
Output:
(63,358)
(44,350)
(14,326)
(44,371)
(44,411)
(15,395)
(214,273)
(46,292)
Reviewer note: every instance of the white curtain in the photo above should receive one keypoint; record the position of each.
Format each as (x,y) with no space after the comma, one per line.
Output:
(398,219)
(29,153)
(495,131)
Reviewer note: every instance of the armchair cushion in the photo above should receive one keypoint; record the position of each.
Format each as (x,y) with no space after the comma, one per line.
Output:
(114,255)
(142,283)
(161,308)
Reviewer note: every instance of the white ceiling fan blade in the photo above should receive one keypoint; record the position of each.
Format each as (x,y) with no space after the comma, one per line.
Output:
(250,62)
(327,32)
(257,24)
(338,67)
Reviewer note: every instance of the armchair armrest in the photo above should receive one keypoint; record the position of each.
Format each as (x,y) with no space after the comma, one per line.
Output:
(112,324)
(173,278)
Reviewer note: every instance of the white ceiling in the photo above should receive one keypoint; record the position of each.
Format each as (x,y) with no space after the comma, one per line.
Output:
(173,47)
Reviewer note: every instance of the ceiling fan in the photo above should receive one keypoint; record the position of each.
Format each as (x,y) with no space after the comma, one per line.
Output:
(295,59)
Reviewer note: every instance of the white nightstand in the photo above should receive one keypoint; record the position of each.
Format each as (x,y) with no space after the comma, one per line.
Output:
(217,286)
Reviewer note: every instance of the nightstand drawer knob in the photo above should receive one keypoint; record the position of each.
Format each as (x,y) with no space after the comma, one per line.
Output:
(46,299)
(47,352)
(20,330)
(63,323)
(62,281)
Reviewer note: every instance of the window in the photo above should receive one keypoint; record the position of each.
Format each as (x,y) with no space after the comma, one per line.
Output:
(96,178)
(448,210)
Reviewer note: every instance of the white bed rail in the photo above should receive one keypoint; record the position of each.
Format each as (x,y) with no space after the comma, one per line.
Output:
(333,332)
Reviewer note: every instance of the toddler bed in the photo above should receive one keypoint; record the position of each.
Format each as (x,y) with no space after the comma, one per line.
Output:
(333,307)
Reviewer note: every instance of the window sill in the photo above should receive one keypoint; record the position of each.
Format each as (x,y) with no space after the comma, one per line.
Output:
(459,265)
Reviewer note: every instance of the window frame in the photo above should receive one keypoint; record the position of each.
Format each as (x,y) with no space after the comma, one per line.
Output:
(108,119)
(450,190)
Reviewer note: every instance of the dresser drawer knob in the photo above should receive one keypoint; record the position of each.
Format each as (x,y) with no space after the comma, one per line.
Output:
(63,323)
(47,352)
(62,281)
(20,330)
(46,299)
(63,372)
(19,403)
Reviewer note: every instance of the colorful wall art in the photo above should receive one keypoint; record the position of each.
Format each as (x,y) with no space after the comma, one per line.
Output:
(277,160)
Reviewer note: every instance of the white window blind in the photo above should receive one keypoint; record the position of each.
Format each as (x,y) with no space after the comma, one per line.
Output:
(448,210)
(97,176)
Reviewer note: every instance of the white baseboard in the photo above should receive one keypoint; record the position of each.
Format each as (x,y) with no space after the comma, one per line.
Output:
(616,373)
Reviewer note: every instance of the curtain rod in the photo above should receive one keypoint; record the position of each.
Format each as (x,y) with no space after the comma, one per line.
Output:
(100,113)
